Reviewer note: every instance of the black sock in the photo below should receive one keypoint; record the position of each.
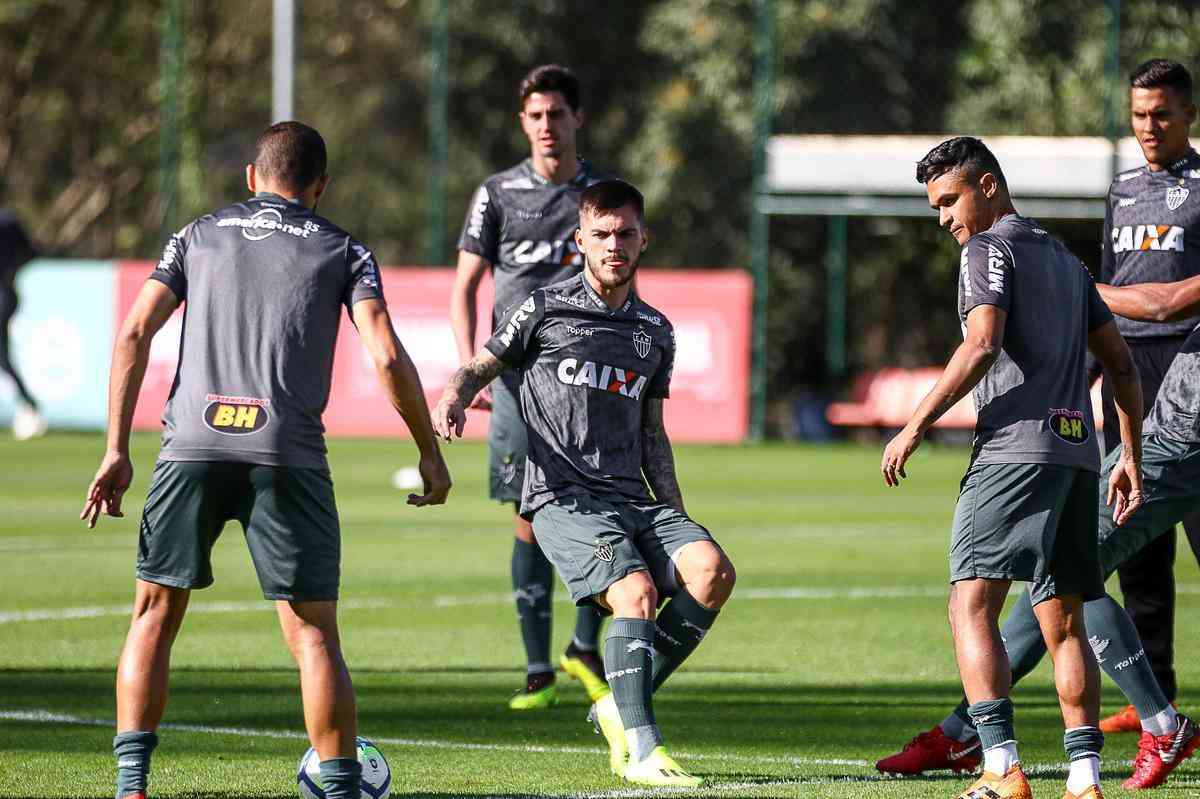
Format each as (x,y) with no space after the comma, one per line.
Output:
(1119,652)
(680,627)
(628,649)
(132,750)
(533,586)
(341,777)
(587,628)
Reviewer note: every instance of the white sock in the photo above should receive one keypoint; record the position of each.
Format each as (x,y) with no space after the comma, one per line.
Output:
(956,729)
(1085,772)
(999,759)
(1164,722)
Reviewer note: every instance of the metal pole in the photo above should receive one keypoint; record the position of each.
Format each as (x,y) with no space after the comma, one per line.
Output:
(759,222)
(168,143)
(1112,77)
(835,299)
(283,61)
(439,135)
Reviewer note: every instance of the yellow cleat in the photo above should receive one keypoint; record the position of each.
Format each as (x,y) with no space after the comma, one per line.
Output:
(607,722)
(1011,785)
(660,770)
(535,700)
(575,665)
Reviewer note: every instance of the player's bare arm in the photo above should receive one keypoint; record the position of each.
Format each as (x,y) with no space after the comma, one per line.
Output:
(403,386)
(153,307)
(658,461)
(450,415)
(1154,302)
(464,316)
(1125,485)
(968,365)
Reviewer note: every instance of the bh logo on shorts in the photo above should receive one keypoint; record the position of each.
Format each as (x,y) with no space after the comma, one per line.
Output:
(236,416)
(604,552)
(1068,425)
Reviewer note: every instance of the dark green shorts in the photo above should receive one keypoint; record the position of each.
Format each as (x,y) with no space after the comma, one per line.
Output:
(507,445)
(1170,491)
(1030,522)
(288,514)
(595,542)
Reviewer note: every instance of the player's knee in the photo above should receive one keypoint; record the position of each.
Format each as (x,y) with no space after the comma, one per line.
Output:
(160,606)
(707,573)
(633,596)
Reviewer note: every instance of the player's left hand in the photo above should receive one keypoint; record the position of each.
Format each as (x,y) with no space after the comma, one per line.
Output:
(108,487)
(449,418)
(1125,486)
(436,478)
(897,454)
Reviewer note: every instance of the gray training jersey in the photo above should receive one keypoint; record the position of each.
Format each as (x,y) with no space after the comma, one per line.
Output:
(1152,235)
(1033,404)
(524,226)
(264,282)
(585,373)
(1176,411)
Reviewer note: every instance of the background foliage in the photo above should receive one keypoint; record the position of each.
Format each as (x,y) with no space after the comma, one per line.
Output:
(668,91)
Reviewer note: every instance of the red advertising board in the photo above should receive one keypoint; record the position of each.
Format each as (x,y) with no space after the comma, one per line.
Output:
(710,310)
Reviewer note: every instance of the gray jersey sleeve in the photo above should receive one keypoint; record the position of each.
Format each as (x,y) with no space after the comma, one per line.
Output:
(171,269)
(481,231)
(364,282)
(513,341)
(660,385)
(1098,313)
(1108,263)
(987,274)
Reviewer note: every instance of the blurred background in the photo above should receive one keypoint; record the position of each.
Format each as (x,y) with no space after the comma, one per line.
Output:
(120,121)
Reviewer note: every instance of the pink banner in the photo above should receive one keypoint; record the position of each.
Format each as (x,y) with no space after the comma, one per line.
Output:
(710,310)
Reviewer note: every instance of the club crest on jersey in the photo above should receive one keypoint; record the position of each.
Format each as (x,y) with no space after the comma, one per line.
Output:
(641,343)
(601,377)
(1068,425)
(604,552)
(1176,196)
(236,416)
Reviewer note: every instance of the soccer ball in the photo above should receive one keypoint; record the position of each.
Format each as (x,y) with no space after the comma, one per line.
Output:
(376,774)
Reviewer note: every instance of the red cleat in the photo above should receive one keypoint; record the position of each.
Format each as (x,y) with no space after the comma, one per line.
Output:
(1124,720)
(932,750)
(1158,756)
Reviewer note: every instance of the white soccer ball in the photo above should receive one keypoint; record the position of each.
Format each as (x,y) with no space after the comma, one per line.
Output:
(376,774)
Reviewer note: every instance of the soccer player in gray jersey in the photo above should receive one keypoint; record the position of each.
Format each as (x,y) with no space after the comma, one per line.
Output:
(594,363)
(1027,506)
(1171,490)
(521,228)
(264,281)
(1152,235)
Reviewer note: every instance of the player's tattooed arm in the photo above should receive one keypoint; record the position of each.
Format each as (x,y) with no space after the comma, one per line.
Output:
(658,461)
(450,414)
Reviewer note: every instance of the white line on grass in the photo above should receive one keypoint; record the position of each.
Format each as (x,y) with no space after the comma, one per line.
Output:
(469,600)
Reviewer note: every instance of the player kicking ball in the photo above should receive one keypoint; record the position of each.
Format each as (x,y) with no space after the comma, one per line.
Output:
(595,366)
(1027,506)
(1171,468)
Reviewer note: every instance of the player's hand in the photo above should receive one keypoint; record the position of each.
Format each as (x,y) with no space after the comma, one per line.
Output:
(449,418)
(1124,486)
(483,400)
(436,478)
(108,487)
(897,454)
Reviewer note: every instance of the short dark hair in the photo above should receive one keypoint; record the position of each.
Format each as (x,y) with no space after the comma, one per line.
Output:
(1160,72)
(551,78)
(290,154)
(609,195)
(964,153)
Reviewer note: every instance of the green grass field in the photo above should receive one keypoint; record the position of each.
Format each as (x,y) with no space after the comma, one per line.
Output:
(833,652)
